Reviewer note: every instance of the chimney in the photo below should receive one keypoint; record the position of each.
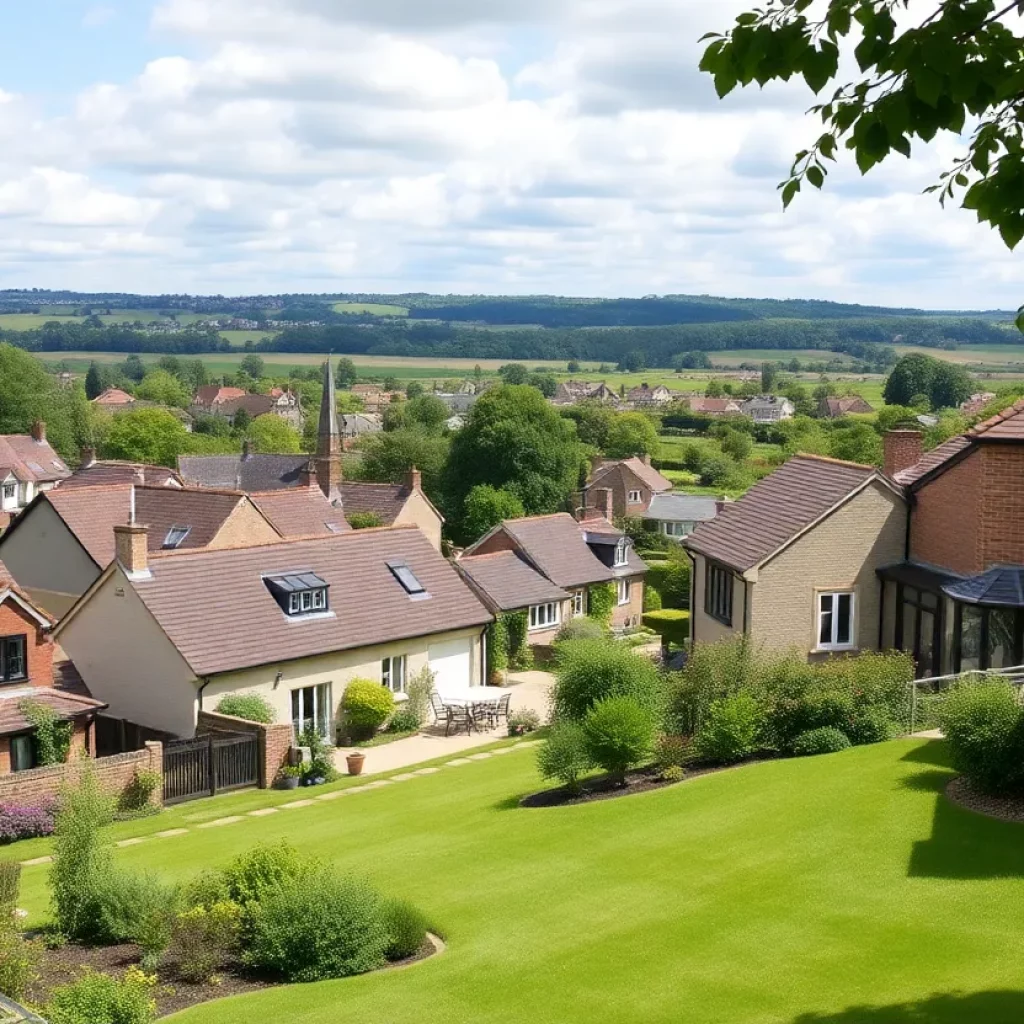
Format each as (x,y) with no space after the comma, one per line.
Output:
(645,459)
(139,476)
(39,431)
(414,479)
(903,449)
(87,457)
(130,545)
(245,449)
(603,502)
(307,478)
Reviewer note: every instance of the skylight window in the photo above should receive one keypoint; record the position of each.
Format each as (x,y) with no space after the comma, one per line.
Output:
(407,578)
(302,593)
(176,537)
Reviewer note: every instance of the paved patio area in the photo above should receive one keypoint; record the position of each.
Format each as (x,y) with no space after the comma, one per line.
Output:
(529,690)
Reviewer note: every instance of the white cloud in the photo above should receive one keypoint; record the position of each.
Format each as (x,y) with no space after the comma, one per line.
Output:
(514,145)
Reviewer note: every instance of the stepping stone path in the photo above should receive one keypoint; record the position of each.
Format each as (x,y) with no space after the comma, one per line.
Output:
(405,777)
(457,761)
(482,756)
(131,842)
(217,822)
(172,832)
(426,771)
(35,861)
(262,812)
(298,803)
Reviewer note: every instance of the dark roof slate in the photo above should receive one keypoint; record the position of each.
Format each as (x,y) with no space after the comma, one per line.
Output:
(254,472)
(508,581)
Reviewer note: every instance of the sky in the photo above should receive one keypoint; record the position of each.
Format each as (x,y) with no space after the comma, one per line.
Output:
(464,146)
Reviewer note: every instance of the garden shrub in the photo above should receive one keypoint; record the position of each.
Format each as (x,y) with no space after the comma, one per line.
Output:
(730,730)
(520,653)
(19,963)
(28,822)
(261,870)
(10,888)
(320,766)
(877,679)
(671,624)
(51,739)
(601,602)
(137,795)
(523,721)
(619,734)
(318,925)
(563,755)
(365,707)
(589,671)
(582,627)
(712,671)
(203,938)
(205,889)
(824,740)
(406,928)
(673,752)
(671,579)
(497,645)
(983,726)
(871,725)
(98,998)
(129,904)
(405,719)
(672,773)
(652,600)
(253,707)
(418,690)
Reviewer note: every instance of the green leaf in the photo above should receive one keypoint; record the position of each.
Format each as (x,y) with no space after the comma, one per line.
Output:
(1012,231)
(816,176)
(1019,322)
(928,85)
(725,82)
(789,191)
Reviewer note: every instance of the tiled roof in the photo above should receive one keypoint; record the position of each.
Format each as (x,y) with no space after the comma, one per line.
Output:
(714,405)
(114,396)
(67,706)
(682,508)
(384,500)
(776,509)
(214,394)
(245,472)
(31,460)
(238,624)
(508,581)
(932,460)
(648,475)
(91,513)
(1007,425)
(301,512)
(1002,585)
(846,406)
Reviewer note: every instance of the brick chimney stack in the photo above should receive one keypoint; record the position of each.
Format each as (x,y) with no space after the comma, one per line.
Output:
(87,457)
(132,552)
(307,478)
(903,449)
(414,480)
(39,431)
(596,503)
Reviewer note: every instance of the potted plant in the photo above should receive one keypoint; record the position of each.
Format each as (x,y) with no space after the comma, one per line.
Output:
(355,762)
(289,776)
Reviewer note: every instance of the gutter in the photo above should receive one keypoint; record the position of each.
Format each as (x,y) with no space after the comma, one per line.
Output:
(206,683)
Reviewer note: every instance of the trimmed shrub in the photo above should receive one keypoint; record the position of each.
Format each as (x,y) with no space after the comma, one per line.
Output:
(19,963)
(671,579)
(671,624)
(983,726)
(100,997)
(26,822)
(253,707)
(580,628)
(619,734)
(365,707)
(261,870)
(523,721)
(589,671)
(825,740)
(730,731)
(871,725)
(652,600)
(563,755)
(319,925)
(405,719)
(203,938)
(406,928)
(138,794)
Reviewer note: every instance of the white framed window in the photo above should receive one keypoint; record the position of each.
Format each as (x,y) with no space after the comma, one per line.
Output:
(311,706)
(622,591)
(544,616)
(835,621)
(392,673)
(635,497)
(579,604)
(305,602)
(10,495)
(622,552)
(676,529)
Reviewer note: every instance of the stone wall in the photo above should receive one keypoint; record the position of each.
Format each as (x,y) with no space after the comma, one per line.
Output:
(275,741)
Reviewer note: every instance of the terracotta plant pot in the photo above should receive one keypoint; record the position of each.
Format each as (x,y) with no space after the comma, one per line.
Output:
(355,762)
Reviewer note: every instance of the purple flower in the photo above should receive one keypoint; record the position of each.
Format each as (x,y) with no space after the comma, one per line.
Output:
(25,822)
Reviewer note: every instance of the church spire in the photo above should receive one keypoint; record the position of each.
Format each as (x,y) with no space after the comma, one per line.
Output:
(328,442)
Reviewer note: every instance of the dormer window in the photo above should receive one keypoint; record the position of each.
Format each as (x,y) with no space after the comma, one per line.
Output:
(622,552)
(176,537)
(405,576)
(299,594)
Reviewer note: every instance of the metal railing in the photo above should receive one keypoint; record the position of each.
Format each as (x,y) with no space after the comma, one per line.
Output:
(13,1013)
(936,684)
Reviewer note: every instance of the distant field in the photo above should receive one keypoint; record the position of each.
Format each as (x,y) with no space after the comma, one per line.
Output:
(992,355)
(31,321)
(735,356)
(238,338)
(376,308)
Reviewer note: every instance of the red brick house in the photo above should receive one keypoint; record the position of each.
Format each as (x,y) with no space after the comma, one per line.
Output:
(633,483)
(34,669)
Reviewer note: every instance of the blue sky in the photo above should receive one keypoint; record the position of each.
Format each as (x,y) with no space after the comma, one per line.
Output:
(513,146)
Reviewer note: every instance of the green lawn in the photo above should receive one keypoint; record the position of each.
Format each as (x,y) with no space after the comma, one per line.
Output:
(787,892)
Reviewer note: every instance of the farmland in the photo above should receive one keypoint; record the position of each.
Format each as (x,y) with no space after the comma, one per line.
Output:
(373,308)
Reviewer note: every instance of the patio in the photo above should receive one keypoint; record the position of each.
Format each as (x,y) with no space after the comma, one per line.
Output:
(528,690)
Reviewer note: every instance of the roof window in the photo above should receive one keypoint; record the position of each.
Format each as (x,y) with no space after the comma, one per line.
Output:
(407,578)
(621,552)
(176,537)
(302,593)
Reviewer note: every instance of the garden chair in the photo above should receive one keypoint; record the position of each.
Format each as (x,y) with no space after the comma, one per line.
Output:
(497,710)
(459,715)
(442,713)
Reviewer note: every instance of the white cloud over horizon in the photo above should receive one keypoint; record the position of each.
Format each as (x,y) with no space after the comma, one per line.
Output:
(518,146)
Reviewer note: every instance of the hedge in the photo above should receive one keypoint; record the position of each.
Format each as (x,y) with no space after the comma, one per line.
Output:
(672,623)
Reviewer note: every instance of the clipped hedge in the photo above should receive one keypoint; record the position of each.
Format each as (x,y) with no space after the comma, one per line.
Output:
(672,624)
(671,579)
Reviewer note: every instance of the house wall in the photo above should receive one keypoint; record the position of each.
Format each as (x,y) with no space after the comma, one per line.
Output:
(15,621)
(620,481)
(1001,526)
(840,553)
(244,527)
(47,561)
(81,743)
(499,541)
(546,637)
(630,614)
(127,661)
(338,669)
(417,511)
(945,520)
(704,628)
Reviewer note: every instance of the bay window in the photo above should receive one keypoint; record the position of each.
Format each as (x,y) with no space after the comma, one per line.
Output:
(544,616)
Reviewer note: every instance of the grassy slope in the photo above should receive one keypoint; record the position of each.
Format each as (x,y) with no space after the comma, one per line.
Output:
(748,897)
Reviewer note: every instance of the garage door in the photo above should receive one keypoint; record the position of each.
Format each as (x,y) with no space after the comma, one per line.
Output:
(452,662)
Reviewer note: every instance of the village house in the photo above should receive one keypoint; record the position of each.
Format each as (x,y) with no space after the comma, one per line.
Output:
(355,425)
(646,397)
(569,392)
(227,402)
(715,406)
(35,671)
(633,483)
(93,472)
(678,515)
(375,399)
(28,465)
(376,604)
(768,409)
(114,400)
(833,408)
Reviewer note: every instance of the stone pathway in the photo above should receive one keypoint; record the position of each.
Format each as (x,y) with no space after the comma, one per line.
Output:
(261,812)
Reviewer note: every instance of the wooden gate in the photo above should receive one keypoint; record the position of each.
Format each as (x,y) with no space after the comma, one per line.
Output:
(209,765)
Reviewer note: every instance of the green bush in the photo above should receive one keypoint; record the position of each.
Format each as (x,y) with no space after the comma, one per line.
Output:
(871,725)
(406,928)
(983,727)
(601,601)
(364,520)
(253,707)
(320,766)
(673,752)
(619,734)
(671,624)
(319,925)
(51,737)
(671,579)
(138,794)
(203,938)
(418,690)
(205,889)
(563,755)
(97,998)
(824,740)
(261,870)
(365,707)
(130,905)
(580,628)
(588,671)
(712,672)
(523,721)
(405,719)
(19,963)
(520,653)
(652,600)
(730,731)
(497,646)
(10,889)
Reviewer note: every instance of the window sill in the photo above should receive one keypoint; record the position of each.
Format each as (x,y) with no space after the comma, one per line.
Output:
(400,698)
(543,629)
(837,649)
(721,622)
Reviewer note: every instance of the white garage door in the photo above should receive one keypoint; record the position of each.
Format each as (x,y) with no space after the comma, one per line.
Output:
(452,662)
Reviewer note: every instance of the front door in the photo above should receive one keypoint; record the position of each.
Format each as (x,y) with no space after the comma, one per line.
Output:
(919,629)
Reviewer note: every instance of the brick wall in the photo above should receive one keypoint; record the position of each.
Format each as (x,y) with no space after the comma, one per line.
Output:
(946,517)
(275,741)
(1001,522)
(631,613)
(500,541)
(112,774)
(15,621)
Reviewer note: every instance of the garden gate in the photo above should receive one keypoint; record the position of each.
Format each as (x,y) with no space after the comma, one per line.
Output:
(209,765)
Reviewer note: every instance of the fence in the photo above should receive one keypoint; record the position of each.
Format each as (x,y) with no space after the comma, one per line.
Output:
(275,741)
(13,1013)
(209,765)
(922,703)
